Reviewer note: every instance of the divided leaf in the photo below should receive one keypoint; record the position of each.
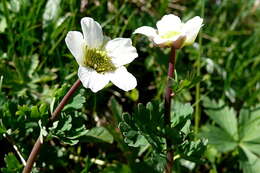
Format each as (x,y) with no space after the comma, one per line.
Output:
(76,103)
(192,150)
(252,164)
(235,134)
(72,130)
(224,116)
(219,138)
(249,125)
(144,126)
(180,114)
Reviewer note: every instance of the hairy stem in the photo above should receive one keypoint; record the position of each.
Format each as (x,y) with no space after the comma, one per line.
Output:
(167,110)
(37,146)
(11,141)
(197,108)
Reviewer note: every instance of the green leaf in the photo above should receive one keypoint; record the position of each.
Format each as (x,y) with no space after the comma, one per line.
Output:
(253,147)
(116,109)
(33,65)
(77,132)
(65,124)
(140,140)
(12,164)
(193,150)
(156,113)
(61,91)
(157,162)
(3,24)
(219,138)
(2,128)
(77,102)
(34,112)
(189,81)
(23,110)
(252,165)
(186,128)
(212,154)
(255,112)
(68,130)
(97,134)
(175,135)
(133,94)
(144,126)
(180,114)
(43,108)
(250,130)
(224,116)
(69,141)
(249,125)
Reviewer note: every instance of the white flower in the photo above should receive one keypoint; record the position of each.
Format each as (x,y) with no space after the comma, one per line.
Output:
(100,60)
(172,32)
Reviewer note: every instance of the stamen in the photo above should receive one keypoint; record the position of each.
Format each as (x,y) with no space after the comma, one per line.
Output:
(170,34)
(98,60)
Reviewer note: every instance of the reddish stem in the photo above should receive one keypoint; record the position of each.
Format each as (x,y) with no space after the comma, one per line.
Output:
(37,146)
(167,109)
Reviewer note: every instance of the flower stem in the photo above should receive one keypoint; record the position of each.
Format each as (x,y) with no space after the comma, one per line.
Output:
(197,108)
(167,110)
(37,146)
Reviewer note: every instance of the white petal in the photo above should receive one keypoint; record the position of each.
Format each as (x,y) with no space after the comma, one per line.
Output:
(123,79)
(169,23)
(92,32)
(91,79)
(191,29)
(76,44)
(121,51)
(161,41)
(147,31)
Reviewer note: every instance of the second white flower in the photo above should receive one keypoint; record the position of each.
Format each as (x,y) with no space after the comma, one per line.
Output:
(172,32)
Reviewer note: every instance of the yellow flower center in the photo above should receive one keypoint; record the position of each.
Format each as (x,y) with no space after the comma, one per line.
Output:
(170,34)
(98,60)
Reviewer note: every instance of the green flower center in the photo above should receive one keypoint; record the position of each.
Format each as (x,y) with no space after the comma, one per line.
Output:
(170,34)
(98,60)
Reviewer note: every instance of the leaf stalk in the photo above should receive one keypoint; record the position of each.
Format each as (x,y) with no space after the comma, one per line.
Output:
(38,144)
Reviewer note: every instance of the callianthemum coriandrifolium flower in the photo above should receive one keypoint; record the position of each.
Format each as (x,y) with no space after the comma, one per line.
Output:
(172,32)
(101,60)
